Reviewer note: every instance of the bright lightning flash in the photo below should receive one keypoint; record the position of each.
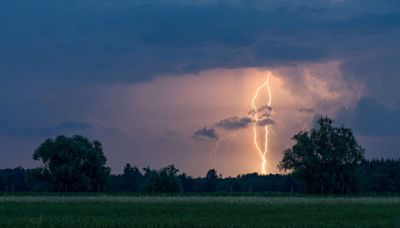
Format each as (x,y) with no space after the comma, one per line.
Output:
(261,152)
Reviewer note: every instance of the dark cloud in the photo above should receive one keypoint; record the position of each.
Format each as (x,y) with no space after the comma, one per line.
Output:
(265,111)
(265,121)
(372,118)
(116,41)
(234,123)
(379,72)
(205,134)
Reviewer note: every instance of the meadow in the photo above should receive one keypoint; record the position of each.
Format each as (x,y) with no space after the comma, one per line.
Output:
(198,211)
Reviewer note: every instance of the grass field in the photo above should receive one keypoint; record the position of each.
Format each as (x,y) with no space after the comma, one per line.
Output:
(189,211)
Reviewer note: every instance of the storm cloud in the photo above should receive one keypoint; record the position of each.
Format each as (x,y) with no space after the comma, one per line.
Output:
(205,134)
(265,121)
(234,123)
(371,118)
(115,41)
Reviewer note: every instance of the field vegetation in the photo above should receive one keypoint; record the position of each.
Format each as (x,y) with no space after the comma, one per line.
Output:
(195,211)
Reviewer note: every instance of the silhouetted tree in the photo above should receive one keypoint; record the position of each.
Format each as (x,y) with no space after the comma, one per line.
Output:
(131,179)
(164,180)
(375,176)
(211,180)
(326,158)
(229,185)
(168,179)
(13,180)
(380,176)
(38,180)
(73,163)
(186,183)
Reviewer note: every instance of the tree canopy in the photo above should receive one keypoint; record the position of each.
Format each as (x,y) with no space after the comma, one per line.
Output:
(73,163)
(164,180)
(325,158)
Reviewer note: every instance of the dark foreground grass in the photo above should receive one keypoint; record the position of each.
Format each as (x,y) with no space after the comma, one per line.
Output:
(198,211)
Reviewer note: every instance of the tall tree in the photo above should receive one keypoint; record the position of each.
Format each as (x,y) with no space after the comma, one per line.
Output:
(325,158)
(73,163)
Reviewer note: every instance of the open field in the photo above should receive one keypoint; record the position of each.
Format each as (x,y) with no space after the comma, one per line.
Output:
(219,211)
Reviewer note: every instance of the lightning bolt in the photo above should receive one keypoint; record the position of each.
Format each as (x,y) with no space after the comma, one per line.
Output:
(261,152)
(220,140)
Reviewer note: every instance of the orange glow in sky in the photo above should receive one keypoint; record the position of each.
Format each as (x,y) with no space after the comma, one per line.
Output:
(169,109)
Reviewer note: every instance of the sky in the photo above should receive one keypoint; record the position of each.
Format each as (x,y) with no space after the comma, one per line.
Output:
(143,77)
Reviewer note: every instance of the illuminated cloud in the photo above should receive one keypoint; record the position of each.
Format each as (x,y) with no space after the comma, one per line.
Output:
(264,108)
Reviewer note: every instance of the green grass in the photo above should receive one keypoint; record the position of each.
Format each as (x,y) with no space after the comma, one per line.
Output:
(189,211)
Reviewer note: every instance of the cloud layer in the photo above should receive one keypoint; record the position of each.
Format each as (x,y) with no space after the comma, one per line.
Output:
(116,41)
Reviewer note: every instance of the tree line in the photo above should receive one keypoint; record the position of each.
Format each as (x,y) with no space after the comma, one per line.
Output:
(374,176)
(324,160)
